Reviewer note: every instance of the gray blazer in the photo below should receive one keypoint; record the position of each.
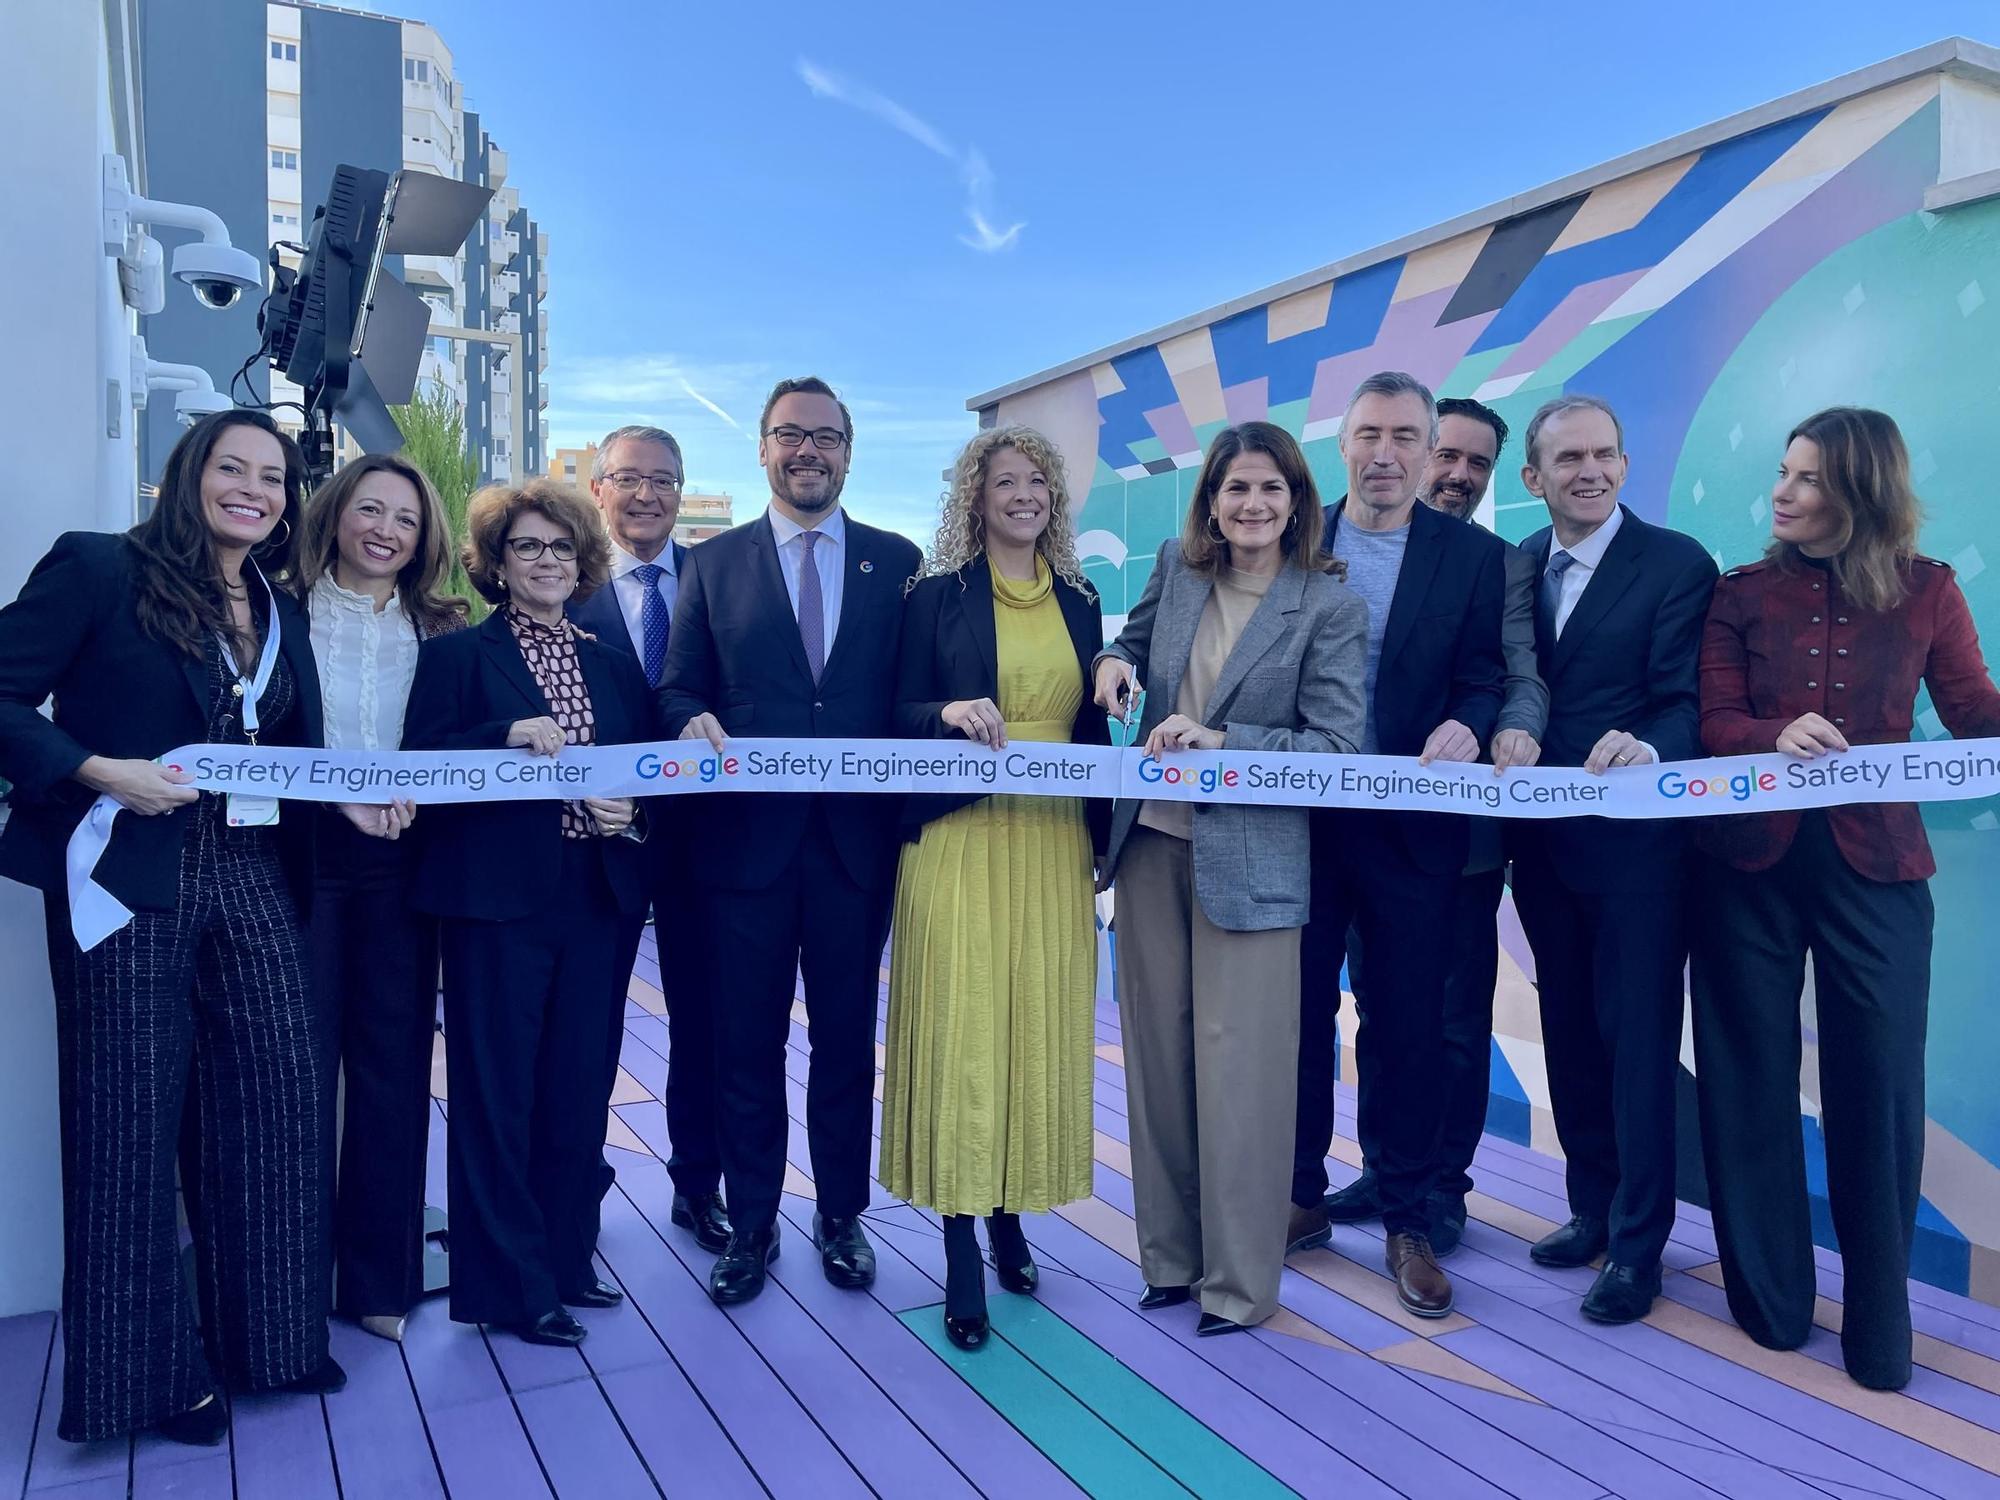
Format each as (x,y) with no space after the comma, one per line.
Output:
(1527,701)
(1294,682)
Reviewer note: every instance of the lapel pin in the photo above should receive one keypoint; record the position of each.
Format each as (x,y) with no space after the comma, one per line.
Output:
(867,566)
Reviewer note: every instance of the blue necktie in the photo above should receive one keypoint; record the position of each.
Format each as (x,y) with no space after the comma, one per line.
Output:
(1550,604)
(812,606)
(652,622)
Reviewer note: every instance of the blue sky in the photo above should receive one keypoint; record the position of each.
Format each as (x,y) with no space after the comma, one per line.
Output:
(921,202)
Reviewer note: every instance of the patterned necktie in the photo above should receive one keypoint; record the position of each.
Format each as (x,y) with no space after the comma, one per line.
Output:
(812,607)
(1550,603)
(652,622)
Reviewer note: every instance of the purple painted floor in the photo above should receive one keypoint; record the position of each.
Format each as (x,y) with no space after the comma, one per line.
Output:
(816,1393)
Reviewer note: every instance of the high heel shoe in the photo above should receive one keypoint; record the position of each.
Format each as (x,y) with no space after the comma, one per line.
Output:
(1012,1261)
(200,1426)
(965,1322)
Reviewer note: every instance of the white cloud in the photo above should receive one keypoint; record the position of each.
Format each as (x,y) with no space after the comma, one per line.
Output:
(974,174)
(711,405)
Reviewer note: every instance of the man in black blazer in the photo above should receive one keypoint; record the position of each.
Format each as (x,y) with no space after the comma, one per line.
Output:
(1619,615)
(636,480)
(1433,589)
(789,626)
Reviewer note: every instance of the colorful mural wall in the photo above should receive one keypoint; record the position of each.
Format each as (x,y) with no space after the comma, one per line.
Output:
(1714,299)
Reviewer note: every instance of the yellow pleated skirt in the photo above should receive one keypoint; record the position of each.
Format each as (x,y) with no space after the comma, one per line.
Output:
(986,1101)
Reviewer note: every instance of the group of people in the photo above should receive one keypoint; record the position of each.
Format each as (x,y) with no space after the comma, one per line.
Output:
(254,952)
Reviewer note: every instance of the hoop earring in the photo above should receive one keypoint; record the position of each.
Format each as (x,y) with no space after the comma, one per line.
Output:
(286,522)
(1215,531)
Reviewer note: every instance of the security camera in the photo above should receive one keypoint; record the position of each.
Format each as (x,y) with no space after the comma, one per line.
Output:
(216,271)
(195,395)
(219,274)
(191,406)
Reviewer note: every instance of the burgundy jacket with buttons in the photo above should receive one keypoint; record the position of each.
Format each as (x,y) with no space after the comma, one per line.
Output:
(1783,640)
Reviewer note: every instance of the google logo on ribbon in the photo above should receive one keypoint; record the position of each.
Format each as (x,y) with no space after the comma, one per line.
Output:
(1205,778)
(1738,788)
(704,768)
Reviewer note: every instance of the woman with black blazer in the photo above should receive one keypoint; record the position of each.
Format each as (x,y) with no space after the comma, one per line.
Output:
(542,903)
(993,970)
(176,946)
(375,551)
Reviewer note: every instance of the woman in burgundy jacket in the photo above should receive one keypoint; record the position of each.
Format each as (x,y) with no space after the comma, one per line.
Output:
(1822,645)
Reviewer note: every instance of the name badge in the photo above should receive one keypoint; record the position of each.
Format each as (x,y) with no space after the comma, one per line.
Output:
(240,810)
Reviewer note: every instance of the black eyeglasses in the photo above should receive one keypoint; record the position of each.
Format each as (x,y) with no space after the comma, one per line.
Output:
(826,439)
(528,548)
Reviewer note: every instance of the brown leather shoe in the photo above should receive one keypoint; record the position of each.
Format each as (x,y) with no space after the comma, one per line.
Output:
(1308,1230)
(1421,1285)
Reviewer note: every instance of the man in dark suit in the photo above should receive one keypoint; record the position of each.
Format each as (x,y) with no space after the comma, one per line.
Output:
(1618,624)
(636,481)
(788,626)
(1433,589)
(1456,478)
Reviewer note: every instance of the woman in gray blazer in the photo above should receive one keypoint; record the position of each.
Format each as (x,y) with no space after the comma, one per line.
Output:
(1247,641)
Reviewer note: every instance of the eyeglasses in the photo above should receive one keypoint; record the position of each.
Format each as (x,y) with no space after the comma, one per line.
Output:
(826,439)
(628,483)
(528,548)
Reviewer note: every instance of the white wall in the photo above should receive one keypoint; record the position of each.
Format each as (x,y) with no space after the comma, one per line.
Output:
(68,336)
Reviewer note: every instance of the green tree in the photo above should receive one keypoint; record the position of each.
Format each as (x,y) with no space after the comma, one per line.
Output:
(433,427)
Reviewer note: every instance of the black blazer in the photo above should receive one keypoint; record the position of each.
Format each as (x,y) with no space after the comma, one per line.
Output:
(500,861)
(74,632)
(603,617)
(951,651)
(1441,659)
(1627,660)
(736,652)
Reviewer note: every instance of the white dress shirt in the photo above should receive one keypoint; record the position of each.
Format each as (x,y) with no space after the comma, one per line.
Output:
(1588,554)
(367,659)
(631,594)
(829,558)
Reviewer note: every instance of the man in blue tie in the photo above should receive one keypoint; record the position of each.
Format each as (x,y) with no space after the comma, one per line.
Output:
(636,481)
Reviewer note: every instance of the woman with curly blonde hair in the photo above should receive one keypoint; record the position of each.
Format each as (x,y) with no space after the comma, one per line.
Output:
(993,969)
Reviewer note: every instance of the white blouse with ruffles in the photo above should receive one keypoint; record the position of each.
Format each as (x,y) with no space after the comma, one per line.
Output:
(367,660)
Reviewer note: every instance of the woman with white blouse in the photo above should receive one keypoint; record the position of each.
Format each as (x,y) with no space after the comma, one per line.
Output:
(374,553)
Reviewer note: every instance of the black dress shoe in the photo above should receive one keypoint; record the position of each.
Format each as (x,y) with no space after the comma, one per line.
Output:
(1447,1212)
(558,1330)
(1157,1297)
(1212,1324)
(1356,1203)
(738,1273)
(324,1381)
(202,1427)
(1013,1263)
(844,1252)
(597,1294)
(1577,1243)
(704,1217)
(1622,1294)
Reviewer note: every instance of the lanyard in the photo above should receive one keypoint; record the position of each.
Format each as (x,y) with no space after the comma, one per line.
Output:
(250,689)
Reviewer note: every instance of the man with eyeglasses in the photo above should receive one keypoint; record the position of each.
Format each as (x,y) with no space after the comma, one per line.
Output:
(636,479)
(788,626)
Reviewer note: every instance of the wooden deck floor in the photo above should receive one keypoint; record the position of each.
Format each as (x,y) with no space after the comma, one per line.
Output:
(815,1393)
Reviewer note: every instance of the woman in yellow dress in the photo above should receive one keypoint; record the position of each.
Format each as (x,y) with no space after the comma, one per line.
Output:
(993,963)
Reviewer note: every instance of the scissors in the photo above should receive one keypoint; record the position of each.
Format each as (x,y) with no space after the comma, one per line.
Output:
(1125,729)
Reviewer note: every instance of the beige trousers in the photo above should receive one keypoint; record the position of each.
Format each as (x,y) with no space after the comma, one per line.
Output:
(1211,1026)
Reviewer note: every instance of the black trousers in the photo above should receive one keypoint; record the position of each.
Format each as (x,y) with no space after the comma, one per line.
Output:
(207,1003)
(375,966)
(813,919)
(696,1162)
(526,1009)
(1465,1062)
(1362,877)
(1608,967)
(1870,943)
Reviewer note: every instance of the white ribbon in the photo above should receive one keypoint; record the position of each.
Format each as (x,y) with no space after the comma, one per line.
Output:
(94,913)
(1943,771)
